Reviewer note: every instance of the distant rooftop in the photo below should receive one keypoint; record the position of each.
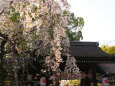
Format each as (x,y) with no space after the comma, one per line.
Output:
(73,43)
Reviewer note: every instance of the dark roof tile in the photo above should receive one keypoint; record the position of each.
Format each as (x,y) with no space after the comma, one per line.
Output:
(87,49)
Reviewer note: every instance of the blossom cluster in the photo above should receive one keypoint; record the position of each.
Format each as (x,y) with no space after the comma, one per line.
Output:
(28,22)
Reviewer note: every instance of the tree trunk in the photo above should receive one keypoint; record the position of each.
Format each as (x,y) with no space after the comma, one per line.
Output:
(15,70)
(16,76)
(1,61)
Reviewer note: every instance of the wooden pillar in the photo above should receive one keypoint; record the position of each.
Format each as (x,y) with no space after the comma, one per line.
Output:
(82,82)
(85,81)
(93,71)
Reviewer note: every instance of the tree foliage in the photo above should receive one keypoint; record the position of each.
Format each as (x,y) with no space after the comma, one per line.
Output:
(75,26)
(70,83)
(108,49)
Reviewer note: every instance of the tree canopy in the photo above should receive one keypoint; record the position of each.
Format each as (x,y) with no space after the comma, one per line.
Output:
(75,26)
(108,49)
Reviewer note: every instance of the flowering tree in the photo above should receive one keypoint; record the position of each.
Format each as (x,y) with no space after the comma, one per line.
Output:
(36,26)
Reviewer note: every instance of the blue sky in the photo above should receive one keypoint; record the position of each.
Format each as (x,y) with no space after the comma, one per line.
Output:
(99,17)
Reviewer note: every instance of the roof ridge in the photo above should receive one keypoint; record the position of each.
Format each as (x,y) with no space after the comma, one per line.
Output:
(84,43)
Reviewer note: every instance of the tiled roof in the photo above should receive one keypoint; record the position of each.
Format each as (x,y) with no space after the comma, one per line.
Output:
(87,49)
(89,52)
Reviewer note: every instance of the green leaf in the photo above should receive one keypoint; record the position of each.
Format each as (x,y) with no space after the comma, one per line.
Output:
(24,6)
(64,12)
(12,8)
(15,17)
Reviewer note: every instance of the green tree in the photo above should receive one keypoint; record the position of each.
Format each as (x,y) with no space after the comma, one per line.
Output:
(74,30)
(109,49)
